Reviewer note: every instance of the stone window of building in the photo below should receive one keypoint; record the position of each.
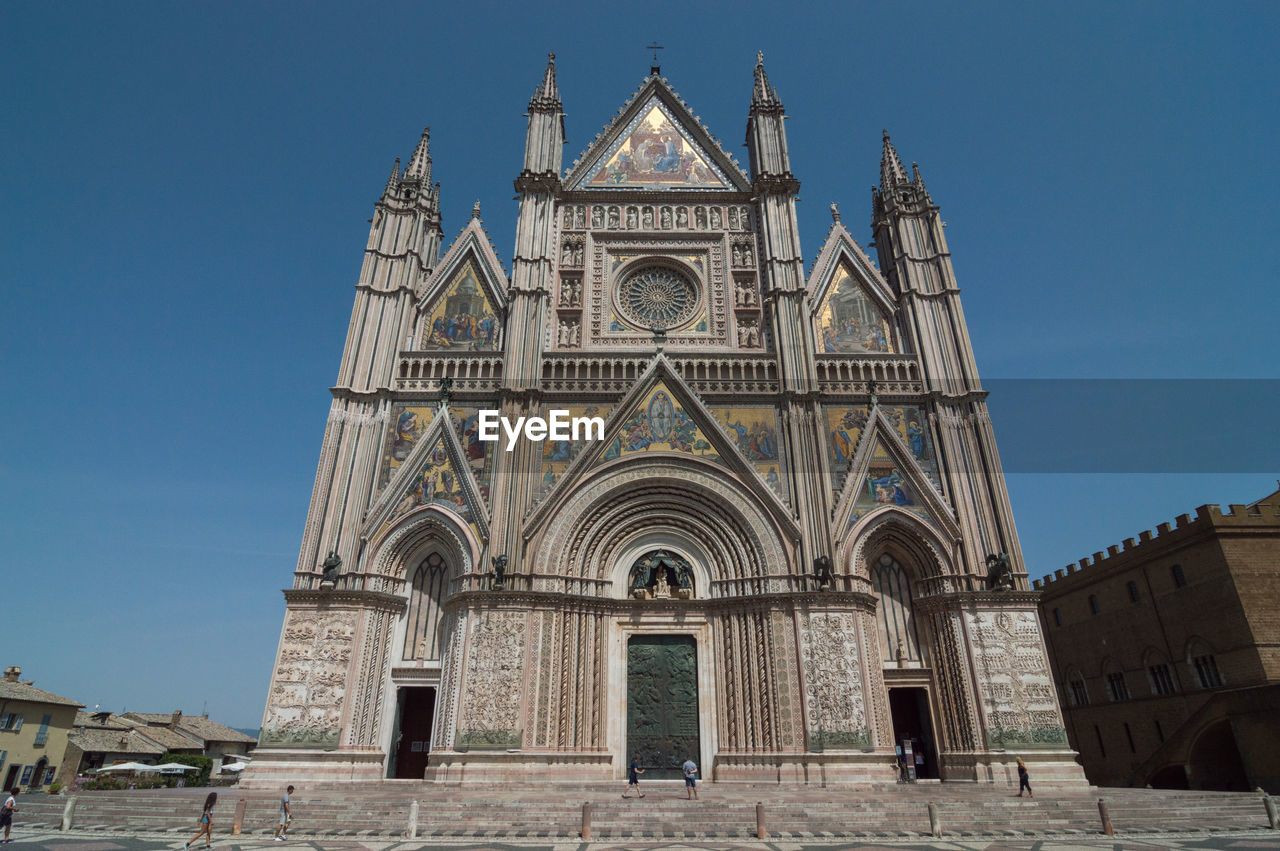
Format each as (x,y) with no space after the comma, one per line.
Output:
(1179,578)
(1161,680)
(1134,596)
(899,640)
(1207,671)
(1057,617)
(424,632)
(1117,687)
(1093,604)
(11,721)
(1079,694)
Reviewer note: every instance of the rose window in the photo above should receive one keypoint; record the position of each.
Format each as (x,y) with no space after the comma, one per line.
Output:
(657,297)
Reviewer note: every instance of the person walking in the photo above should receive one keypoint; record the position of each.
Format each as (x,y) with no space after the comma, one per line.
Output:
(633,776)
(6,813)
(206,823)
(1024,779)
(690,779)
(286,816)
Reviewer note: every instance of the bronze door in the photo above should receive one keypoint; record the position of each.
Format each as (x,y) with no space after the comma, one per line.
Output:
(662,703)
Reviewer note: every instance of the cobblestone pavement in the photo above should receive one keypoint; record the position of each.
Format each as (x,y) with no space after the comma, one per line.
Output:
(106,841)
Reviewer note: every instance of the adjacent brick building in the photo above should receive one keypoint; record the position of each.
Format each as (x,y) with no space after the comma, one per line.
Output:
(1166,652)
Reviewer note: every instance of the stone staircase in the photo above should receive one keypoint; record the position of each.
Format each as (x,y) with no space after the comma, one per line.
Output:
(724,811)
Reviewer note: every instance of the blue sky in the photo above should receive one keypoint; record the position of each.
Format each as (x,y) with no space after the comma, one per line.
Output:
(184,194)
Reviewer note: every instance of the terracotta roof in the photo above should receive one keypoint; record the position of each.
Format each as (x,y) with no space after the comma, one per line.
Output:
(101,721)
(10,690)
(169,739)
(192,725)
(113,741)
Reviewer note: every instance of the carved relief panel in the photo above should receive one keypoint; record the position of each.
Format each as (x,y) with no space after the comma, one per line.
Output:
(1015,687)
(836,709)
(492,684)
(304,707)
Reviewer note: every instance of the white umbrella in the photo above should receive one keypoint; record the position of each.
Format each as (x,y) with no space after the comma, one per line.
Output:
(127,766)
(174,767)
(235,766)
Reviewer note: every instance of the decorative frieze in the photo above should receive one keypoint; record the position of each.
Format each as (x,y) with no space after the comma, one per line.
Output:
(836,717)
(492,682)
(304,707)
(1014,684)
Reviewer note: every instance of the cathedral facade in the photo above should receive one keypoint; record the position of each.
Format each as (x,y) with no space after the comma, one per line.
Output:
(786,551)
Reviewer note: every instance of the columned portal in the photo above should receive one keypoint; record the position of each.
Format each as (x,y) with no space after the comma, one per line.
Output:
(662,703)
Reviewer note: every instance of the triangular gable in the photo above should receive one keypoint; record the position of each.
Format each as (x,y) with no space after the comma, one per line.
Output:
(660,415)
(655,143)
(851,305)
(884,473)
(463,303)
(436,473)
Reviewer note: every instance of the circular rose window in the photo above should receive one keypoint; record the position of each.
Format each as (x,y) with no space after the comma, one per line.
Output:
(657,297)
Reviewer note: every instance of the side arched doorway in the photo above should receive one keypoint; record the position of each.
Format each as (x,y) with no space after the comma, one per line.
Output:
(1215,761)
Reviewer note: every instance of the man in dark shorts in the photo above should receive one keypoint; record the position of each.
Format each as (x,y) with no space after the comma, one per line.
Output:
(6,813)
(690,778)
(633,776)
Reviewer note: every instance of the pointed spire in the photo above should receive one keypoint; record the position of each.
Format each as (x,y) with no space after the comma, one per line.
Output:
(548,93)
(835,213)
(475,209)
(419,167)
(917,179)
(891,170)
(395,175)
(763,95)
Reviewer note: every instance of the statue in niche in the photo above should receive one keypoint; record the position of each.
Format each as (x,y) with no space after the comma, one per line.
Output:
(499,572)
(666,217)
(822,571)
(682,217)
(631,218)
(733,218)
(746,254)
(562,334)
(999,573)
(332,564)
(580,218)
(647,218)
(597,217)
(746,294)
(737,254)
(700,218)
(579,251)
(613,218)
(660,575)
(566,254)
(716,221)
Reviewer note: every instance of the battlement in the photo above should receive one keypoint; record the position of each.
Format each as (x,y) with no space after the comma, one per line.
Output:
(1265,512)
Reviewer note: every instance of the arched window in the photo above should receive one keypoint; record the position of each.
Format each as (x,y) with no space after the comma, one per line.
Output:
(1077,694)
(1159,675)
(424,631)
(899,641)
(1203,664)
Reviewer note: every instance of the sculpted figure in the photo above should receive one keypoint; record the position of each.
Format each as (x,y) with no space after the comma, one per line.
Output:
(631,217)
(332,564)
(597,217)
(613,217)
(682,217)
(648,218)
(666,217)
(716,220)
(700,217)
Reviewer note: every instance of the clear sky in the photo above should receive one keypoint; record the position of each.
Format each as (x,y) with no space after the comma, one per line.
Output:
(185,188)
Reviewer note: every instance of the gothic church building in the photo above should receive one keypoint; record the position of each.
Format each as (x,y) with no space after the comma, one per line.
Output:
(776,560)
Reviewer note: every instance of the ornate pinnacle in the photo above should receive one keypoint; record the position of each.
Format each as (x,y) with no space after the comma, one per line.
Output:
(891,170)
(763,94)
(835,213)
(395,175)
(420,163)
(475,209)
(547,95)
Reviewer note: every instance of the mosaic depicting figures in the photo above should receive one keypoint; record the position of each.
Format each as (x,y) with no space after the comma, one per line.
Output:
(462,318)
(410,422)
(844,430)
(884,484)
(660,424)
(558,454)
(654,152)
(437,483)
(754,431)
(850,321)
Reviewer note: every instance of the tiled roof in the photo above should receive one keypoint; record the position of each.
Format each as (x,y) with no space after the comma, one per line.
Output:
(169,739)
(192,725)
(113,741)
(101,721)
(10,690)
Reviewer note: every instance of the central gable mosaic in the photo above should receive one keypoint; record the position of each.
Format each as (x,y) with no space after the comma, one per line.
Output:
(850,321)
(462,317)
(654,151)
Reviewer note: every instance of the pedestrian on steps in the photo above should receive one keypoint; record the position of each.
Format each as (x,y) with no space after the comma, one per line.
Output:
(633,776)
(1024,779)
(7,811)
(286,816)
(206,823)
(690,779)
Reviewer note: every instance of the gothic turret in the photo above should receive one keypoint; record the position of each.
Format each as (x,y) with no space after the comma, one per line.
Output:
(544,141)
